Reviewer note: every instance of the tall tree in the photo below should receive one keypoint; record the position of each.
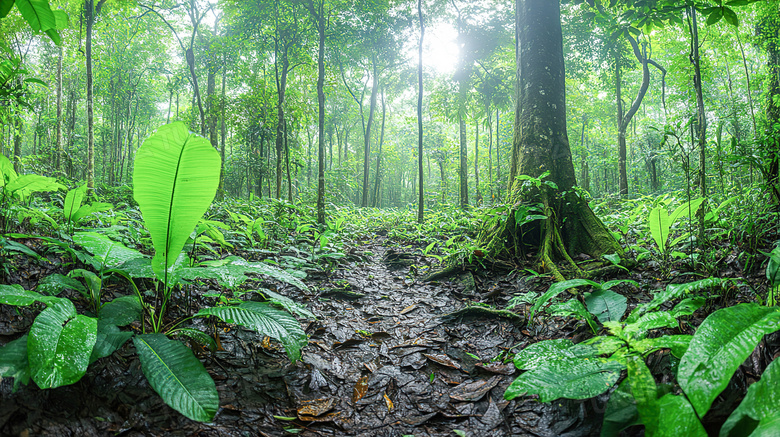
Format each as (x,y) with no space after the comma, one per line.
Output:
(91,10)
(542,146)
(421,200)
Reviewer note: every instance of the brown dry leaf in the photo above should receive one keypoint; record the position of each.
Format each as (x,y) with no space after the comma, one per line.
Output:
(388,402)
(330,417)
(408,309)
(361,387)
(473,391)
(444,360)
(316,407)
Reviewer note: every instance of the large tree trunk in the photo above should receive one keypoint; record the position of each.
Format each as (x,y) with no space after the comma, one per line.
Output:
(770,34)
(543,146)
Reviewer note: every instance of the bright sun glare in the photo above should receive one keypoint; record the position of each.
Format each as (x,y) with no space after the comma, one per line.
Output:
(440,51)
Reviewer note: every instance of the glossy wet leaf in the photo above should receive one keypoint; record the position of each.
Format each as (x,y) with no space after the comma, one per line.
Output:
(722,342)
(31,183)
(606,305)
(538,354)
(59,345)
(568,378)
(678,344)
(266,320)
(13,361)
(177,376)
(109,339)
(56,283)
(175,179)
(677,418)
(121,311)
(554,290)
(18,296)
(674,291)
(199,337)
(759,412)
(108,251)
(620,412)
(231,272)
(644,391)
(73,201)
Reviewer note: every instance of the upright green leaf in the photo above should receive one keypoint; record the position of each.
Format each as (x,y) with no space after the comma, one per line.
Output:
(175,179)
(73,201)
(59,345)
(677,418)
(37,13)
(556,289)
(723,342)
(177,376)
(645,392)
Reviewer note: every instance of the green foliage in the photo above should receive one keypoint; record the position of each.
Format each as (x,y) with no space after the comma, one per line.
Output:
(175,179)
(177,376)
(661,222)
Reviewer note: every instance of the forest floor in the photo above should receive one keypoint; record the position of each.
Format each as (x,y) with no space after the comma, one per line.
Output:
(386,357)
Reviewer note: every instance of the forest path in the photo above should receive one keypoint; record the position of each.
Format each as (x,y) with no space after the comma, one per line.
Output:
(380,362)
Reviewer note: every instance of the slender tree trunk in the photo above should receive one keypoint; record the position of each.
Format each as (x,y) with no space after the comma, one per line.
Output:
(281,84)
(770,34)
(490,153)
(90,11)
(701,122)
(478,199)
(58,161)
(623,175)
(17,143)
(421,200)
(367,136)
(378,175)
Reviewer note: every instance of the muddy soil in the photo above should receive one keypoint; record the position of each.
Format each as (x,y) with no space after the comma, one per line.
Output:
(381,361)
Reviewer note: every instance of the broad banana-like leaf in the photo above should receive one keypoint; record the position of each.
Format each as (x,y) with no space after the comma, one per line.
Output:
(177,376)
(32,183)
(266,320)
(59,345)
(37,13)
(723,342)
(759,413)
(13,361)
(73,201)
(110,252)
(109,339)
(175,179)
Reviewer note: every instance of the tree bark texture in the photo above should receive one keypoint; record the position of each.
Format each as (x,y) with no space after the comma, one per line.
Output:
(542,145)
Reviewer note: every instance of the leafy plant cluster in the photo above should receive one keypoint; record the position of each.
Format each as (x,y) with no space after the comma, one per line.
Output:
(175,179)
(703,363)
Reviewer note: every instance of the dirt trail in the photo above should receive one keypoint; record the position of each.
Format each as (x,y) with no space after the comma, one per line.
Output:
(380,362)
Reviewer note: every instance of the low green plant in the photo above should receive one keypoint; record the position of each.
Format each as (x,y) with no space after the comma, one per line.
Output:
(15,189)
(773,277)
(73,210)
(707,360)
(660,222)
(175,179)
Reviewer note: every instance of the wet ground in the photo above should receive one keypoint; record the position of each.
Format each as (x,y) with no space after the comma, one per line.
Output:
(381,361)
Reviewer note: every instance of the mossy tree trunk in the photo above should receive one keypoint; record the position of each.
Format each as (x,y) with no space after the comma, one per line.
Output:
(541,145)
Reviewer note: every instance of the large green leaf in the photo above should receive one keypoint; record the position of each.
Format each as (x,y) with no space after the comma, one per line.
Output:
(759,413)
(13,361)
(110,252)
(175,179)
(121,311)
(59,345)
(674,291)
(556,289)
(177,376)
(723,342)
(606,305)
(645,392)
(266,320)
(56,283)
(18,296)
(73,201)
(92,208)
(7,172)
(32,183)
(109,339)
(37,13)
(231,272)
(620,412)
(677,418)
(660,222)
(568,378)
